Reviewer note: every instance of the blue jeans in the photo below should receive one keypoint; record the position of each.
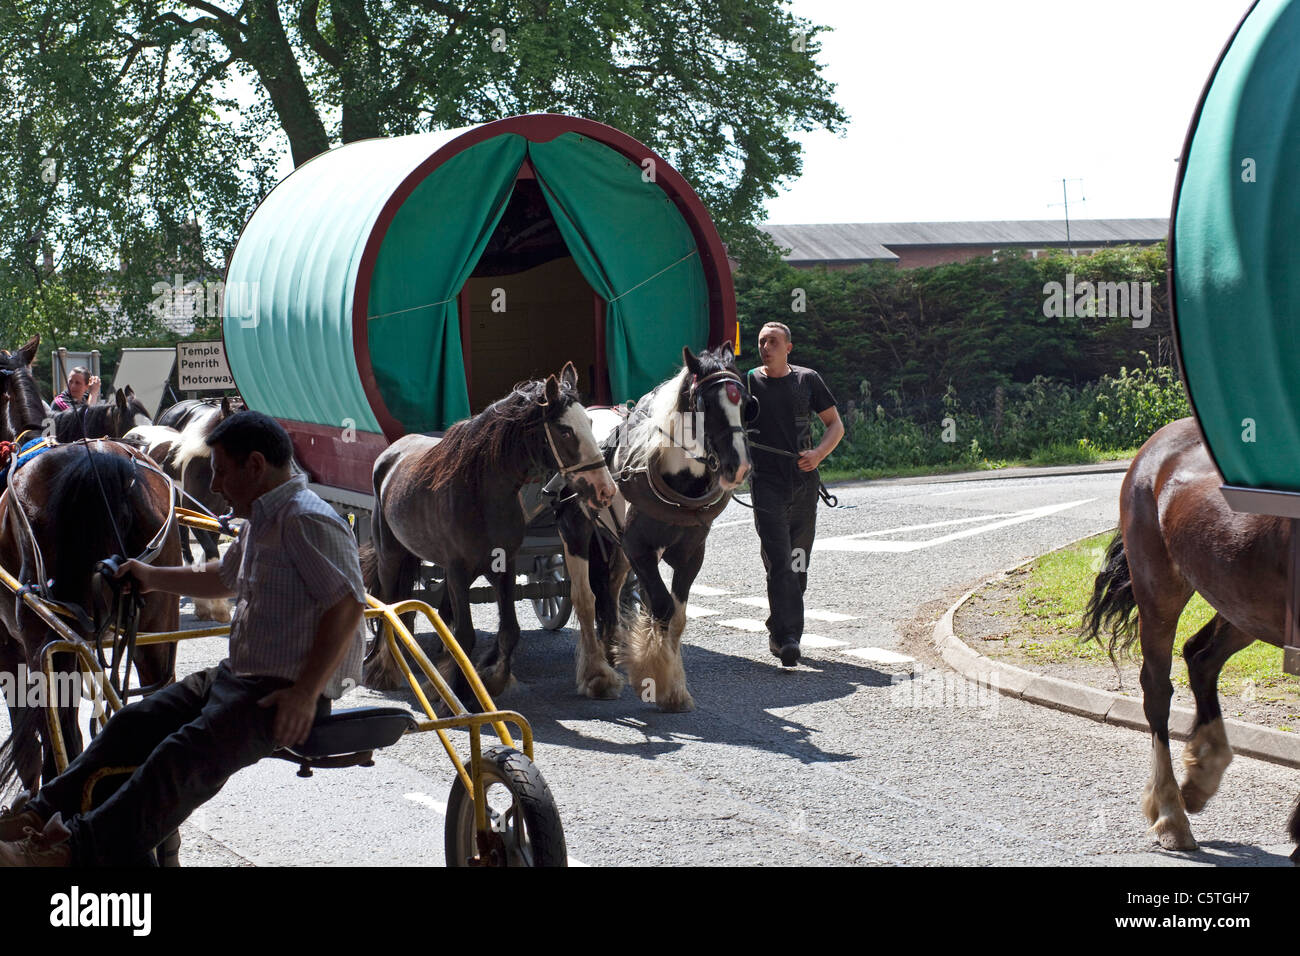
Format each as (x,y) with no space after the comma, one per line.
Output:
(185,742)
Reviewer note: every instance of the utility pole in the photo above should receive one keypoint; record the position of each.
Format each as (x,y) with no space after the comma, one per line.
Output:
(1065,195)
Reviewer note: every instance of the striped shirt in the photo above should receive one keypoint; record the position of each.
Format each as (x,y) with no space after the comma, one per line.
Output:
(294,559)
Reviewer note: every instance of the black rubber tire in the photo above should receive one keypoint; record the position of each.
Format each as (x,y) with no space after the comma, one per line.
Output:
(542,840)
(552,613)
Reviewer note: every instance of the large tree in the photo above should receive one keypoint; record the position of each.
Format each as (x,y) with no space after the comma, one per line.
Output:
(141,133)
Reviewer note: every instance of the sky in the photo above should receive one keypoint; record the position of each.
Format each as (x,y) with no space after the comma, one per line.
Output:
(977,109)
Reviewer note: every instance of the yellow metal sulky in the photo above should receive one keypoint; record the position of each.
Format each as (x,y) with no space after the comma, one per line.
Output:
(401,643)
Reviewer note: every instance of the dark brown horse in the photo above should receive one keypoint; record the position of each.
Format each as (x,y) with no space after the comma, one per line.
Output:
(454,501)
(1177,536)
(56,524)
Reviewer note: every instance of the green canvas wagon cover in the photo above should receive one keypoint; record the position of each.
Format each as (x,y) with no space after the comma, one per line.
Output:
(1234,261)
(398,285)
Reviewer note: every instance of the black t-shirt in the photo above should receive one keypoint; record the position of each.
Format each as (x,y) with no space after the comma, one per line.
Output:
(785,409)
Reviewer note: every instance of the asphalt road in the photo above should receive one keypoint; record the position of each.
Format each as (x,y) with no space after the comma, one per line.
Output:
(870,752)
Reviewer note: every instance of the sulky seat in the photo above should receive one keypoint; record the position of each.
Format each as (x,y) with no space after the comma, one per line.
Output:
(349,738)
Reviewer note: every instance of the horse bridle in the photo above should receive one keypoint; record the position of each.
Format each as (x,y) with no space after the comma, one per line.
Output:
(567,470)
(694,400)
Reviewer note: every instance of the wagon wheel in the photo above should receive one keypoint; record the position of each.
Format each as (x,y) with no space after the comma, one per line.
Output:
(521,813)
(552,612)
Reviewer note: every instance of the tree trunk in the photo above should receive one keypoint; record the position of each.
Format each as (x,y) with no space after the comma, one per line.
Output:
(269,53)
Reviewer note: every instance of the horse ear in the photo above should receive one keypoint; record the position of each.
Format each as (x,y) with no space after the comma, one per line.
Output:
(130,392)
(552,389)
(28,351)
(225,407)
(691,362)
(121,400)
(569,376)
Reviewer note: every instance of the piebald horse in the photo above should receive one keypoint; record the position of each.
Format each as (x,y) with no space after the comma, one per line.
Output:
(455,502)
(1177,536)
(677,458)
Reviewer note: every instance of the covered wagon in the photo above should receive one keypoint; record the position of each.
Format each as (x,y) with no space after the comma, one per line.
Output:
(399,285)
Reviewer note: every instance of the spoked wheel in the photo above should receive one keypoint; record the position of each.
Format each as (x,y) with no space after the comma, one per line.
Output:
(521,813)
(552,612)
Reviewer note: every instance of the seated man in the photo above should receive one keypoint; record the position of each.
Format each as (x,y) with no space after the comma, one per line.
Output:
(295,643)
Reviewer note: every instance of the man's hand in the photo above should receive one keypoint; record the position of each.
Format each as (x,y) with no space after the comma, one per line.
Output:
(138,570)
(295,712)
(809,460)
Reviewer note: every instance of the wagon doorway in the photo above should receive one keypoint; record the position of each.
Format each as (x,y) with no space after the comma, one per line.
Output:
(526,308)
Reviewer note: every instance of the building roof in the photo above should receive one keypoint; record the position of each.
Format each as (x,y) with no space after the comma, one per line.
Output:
(873,241)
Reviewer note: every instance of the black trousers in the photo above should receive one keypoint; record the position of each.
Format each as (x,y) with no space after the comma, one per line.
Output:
(185,741)
(785,514)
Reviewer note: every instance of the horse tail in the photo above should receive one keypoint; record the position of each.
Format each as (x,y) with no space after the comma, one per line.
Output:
(369,566)
(22,748)
(1112,605)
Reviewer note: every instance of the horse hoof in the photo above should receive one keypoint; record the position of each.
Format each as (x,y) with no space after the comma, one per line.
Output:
(1173,834)
(602,685)
(1194,797)
(677,702)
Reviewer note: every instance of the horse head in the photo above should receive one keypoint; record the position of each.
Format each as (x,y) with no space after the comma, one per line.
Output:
(128,412)
(23,409)
(570,443)
(713,392)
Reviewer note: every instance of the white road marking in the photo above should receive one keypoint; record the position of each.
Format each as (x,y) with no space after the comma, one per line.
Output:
(732,524)
(815,640)
(441,809)
(878,655)
(862,542)
(696,611)
(427,801)
(745,624)
(832,617)
(703,590)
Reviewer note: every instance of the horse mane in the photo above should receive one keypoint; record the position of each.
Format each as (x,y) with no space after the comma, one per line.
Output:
(95,423)
(655,423)
(192,444)
(83,532)
(26,411)
(490,442)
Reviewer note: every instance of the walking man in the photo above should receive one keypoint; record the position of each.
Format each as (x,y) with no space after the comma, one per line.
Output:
(785,482)
(295,644)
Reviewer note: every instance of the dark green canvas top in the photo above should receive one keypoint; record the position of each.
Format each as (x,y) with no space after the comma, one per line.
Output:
(1235,254)
(292,307)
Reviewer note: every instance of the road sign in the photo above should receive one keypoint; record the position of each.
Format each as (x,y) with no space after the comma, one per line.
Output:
(202,366)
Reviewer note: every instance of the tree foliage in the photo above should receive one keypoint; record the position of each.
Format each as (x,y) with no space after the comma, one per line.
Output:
(140,134)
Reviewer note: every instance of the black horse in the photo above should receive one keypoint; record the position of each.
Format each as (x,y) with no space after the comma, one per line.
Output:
(677,458)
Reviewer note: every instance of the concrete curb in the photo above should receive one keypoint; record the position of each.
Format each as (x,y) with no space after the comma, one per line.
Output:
(1250,740)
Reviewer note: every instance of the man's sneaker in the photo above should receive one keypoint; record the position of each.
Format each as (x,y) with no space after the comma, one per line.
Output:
(48,846)
(15,820)
(787,650)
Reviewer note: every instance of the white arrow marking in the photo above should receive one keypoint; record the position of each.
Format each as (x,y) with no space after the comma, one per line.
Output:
(861,542)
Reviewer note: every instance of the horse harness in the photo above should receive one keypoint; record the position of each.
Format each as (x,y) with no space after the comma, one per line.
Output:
(123,608)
